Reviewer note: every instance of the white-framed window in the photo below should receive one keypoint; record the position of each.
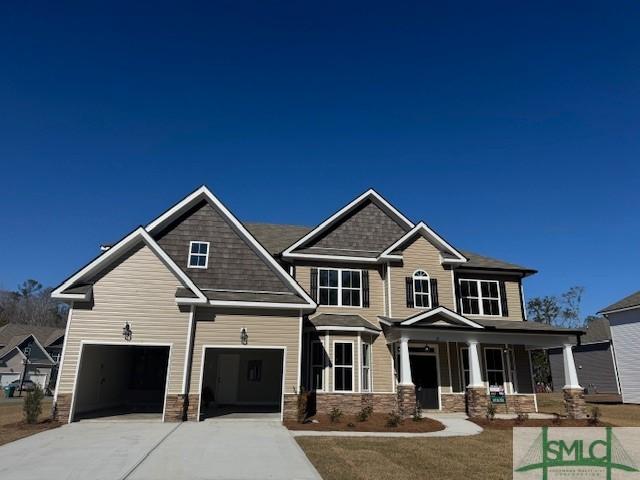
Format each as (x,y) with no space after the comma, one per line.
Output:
(366,367)
(494,366)
(464,366)
(198,254)
(318,364)
(342,366)
(421,289)
(480,297)
(340,287)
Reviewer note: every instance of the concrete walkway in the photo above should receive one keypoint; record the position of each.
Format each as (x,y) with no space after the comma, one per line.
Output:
(456,425)
(225,449)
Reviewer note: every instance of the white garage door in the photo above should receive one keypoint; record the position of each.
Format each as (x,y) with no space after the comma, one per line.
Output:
(7,378)
(38,379)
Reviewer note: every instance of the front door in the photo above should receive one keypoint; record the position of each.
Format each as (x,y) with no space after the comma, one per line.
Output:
(424,373)
(227,384)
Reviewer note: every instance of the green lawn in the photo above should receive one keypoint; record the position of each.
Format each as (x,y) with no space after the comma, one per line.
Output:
(482,457)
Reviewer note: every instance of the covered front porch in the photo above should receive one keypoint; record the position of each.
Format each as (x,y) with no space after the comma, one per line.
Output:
(447,362)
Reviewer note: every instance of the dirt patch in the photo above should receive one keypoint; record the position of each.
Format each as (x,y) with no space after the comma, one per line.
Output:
(508,424)
(375,423)
(15,431)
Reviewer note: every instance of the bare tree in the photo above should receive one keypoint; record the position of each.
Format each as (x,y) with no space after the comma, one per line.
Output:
(31,304)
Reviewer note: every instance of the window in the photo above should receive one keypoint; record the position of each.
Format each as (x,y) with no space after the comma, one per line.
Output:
(317,365)
(366,367)
(254,370)
(494,366)
(421,290)
(343,366)
(198,254)
(339,287)
(464,363)
(480,297)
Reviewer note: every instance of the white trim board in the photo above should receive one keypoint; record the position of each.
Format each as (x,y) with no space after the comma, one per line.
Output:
(370,194)
(423,229)
(203,193)
(121,248)
(445,312)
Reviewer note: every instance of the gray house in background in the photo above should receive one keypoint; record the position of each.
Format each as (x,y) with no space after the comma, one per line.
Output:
(594,359)
(624,317)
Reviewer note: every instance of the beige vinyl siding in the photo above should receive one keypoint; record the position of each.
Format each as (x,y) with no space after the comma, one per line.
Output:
(512,287)
(420,255)
(264,330)
(381,359)
(140,290)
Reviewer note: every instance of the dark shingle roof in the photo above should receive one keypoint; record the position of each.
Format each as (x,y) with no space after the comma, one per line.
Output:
(341,320)
(598,330)
(45,335)
(632,300)
(277,238)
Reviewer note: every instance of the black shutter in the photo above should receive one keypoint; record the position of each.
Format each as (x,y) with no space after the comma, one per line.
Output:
(434,293)
(365,288)
(503,299)
(314,284)
(456,284)
(409,283)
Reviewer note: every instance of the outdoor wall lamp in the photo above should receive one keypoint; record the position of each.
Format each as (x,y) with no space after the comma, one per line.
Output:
(126,332)
(244,336)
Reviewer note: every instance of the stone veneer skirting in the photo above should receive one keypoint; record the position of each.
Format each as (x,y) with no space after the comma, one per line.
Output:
(574,402)
(62,408)
(181,407)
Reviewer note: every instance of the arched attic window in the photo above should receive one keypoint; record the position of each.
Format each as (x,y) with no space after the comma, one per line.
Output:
(421,289)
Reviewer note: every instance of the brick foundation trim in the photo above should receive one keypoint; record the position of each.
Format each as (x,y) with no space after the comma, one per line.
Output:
(574,403)
(406,400)
(348,403)
(477,401)
(180,407)
(453,402)
(61,409)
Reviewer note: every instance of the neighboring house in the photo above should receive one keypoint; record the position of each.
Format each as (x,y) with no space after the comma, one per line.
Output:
(624,317)
(42,347)
(594,358)
(198,314)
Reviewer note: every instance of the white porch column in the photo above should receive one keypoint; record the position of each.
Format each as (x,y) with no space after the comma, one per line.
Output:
(405,365)
(475,376)
(570,372)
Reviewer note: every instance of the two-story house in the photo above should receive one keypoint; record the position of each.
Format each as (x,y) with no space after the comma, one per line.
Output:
(199,314)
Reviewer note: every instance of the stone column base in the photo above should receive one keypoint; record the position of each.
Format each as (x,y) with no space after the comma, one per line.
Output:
(181,407)
(406,399)
(477,401)
(61,409)
(574,402)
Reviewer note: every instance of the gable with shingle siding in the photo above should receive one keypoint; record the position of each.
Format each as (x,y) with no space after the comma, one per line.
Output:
(233,264)
(367,228)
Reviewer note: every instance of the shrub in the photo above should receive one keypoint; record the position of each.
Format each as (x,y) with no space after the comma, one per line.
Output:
(556,419)
(351,425)
(335,415)
(302,405)
(394,419)
(491,411)
(522,417)
(417,413)
(365,413)
(594,418)
(32,406)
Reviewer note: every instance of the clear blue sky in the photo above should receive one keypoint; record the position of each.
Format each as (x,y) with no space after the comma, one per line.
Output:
(513,130)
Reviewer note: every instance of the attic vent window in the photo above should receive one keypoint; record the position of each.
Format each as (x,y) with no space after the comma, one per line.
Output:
(198,254)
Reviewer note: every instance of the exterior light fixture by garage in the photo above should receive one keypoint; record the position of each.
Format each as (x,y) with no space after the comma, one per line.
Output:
(126,332)
(244,336)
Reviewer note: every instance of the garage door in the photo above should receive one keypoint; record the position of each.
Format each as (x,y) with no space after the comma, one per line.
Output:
(242,381)
(121,380)
(7,378)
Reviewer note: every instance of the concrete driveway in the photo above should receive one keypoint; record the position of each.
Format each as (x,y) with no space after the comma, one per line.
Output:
(214,449)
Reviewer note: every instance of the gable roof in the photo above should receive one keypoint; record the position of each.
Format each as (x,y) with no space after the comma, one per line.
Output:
(203,193)
(342,322)
(370,196)
(45,335)
(627,303)
(277,237)
(598,330)
(15,342)
(443,312)
(67,290)
(423,229)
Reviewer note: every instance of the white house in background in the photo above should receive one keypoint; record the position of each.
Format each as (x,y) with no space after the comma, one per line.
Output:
(624,317)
